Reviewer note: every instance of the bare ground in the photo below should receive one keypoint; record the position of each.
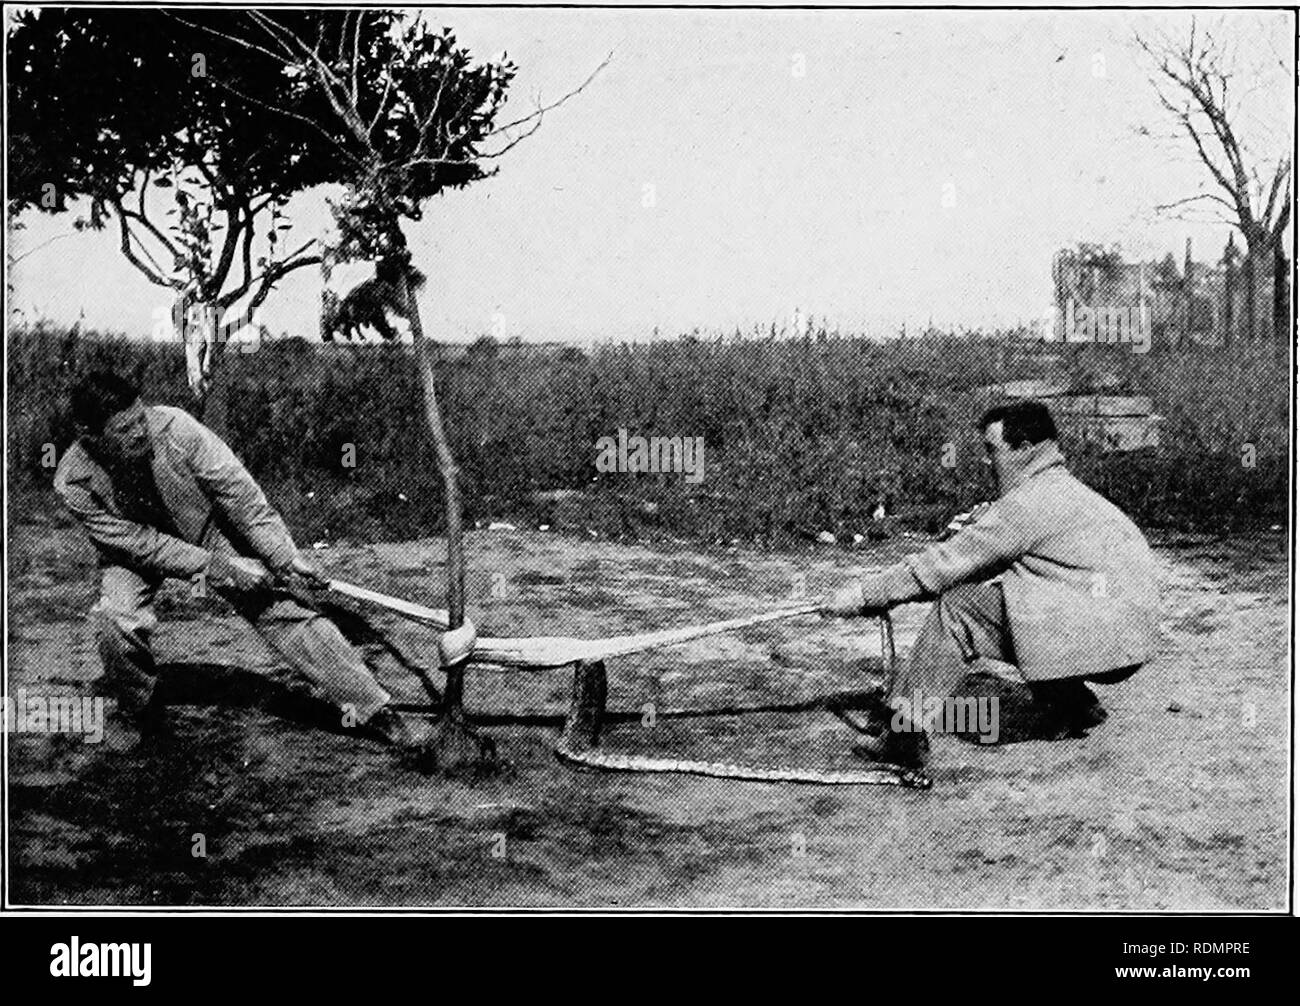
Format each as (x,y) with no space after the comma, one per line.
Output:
(1178,802)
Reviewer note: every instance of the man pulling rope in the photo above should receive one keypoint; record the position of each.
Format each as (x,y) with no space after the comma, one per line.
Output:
(1052,583)
(162,496)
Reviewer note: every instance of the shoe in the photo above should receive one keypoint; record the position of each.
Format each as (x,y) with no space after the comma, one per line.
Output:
(905,749)
(1090,712)
(1084,718)
(151,720)
(411,738)
(1068,711)
(137,730)
(870,714)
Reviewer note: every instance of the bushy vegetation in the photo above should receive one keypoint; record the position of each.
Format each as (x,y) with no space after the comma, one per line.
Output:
(800,436)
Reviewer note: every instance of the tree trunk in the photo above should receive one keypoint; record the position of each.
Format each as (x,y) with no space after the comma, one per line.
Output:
(1184,327)
(197,322)
(1257,271)
(1281,296)
(213,407)
(1229,295)
(458,747)
(446,463)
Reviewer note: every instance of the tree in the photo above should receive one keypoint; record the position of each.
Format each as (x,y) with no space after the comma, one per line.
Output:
(410,115)
(1197,83)
(161,129)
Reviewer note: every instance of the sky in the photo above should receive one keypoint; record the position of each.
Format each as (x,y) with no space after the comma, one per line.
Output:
(728,169)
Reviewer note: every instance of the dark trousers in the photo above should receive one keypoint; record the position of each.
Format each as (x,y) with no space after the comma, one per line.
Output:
(124,621)
(967,627)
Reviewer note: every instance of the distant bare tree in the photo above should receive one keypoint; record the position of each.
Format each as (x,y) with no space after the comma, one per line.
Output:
(1199,81)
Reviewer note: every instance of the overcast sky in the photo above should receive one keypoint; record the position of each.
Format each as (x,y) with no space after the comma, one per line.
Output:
(727,168)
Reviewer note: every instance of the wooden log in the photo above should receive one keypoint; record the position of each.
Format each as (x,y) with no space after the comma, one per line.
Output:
(586,715)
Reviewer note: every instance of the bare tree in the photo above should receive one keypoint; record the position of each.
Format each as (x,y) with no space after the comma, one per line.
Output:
(1198,80)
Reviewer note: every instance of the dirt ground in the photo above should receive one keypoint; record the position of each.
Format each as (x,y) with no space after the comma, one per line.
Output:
(1178,802)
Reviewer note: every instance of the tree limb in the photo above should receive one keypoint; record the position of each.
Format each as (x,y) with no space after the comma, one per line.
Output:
(154,274)
(1283,217)
(1281,174)
(356,62)
(274,275)
(229,38)
(543,109)
(291,114)
(1200,197)
(151,228)
(234,221)
(324,73)
(15,259)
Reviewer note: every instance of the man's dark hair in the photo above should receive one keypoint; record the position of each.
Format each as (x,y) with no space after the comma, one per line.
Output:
(100,394)
(1023,422)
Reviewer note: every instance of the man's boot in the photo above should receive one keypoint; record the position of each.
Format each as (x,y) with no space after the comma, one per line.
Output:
(151,719)
(134,729)
(883,743)
(905,748)
(869,714)
(411,738)
(1066,709)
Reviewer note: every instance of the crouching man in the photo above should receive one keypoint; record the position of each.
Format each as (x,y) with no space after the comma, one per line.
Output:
(1051,579)
(161,496)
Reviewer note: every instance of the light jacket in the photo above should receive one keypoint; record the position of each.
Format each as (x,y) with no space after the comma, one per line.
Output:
(1078,577)
(213,502)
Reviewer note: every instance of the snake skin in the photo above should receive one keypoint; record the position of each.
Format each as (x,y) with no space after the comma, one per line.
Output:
(607,761)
